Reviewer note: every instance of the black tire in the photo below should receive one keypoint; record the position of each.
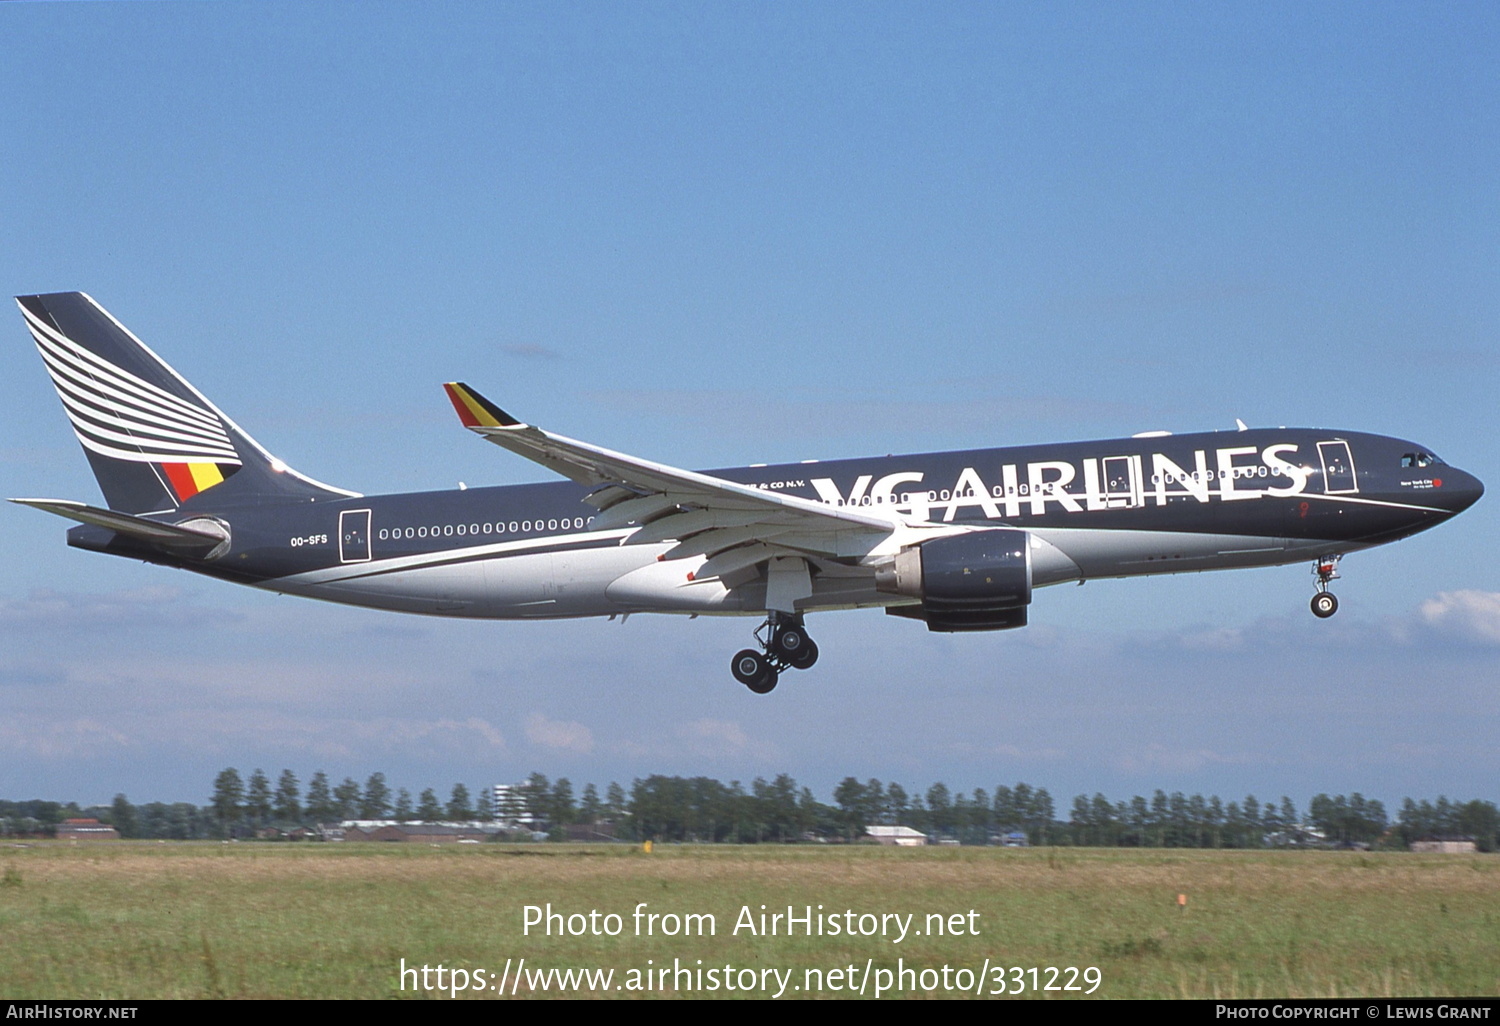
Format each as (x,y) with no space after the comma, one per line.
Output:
(789,641)
(804,659)
(767,682)
(1324,605)
(748,667)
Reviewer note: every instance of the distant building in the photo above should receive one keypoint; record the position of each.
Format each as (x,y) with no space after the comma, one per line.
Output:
(511,807)
(1296,836)
(1445,845)
(899,836)
(429,833)
(86,830)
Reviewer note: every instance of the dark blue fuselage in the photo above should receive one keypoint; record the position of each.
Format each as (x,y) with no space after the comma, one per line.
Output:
(1110,508)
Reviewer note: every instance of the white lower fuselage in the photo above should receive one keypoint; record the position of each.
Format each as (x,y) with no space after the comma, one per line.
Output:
(576,577)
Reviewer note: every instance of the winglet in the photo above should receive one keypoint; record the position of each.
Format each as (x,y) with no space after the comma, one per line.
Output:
(474,410)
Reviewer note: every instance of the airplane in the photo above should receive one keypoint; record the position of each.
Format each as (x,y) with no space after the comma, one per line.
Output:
(956,540)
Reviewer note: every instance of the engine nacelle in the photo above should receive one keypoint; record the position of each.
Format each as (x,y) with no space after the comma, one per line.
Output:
(979,581)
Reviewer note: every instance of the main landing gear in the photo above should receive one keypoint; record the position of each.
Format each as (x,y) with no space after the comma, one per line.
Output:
(784,645)
(1324,603)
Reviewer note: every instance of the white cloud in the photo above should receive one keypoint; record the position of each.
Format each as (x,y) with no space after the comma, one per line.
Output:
(1470,614)
(154,606)
(69,739)
(422,731)
(1221,639)
(1165,758)
(566,735)
(716,737)
(1028,754)
(229,733)
(701,739)
(30,674)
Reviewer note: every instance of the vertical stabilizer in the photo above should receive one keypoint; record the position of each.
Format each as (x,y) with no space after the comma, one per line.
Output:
(154,441)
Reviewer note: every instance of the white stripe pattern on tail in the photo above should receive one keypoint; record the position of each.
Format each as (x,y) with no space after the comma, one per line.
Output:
(116,414)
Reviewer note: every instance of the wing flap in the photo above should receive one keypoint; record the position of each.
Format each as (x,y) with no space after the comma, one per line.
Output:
(729,561)
(711,543)
(640,510)
(694,522)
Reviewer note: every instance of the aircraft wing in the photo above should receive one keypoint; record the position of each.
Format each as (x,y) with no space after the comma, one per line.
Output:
(707,515)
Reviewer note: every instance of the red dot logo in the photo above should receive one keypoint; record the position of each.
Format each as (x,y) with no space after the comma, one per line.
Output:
(1437,482)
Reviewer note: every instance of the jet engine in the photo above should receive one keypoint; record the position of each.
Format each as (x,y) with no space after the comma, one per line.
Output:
(978,581)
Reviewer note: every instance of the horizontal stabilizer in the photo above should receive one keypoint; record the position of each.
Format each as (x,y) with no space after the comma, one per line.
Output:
(170,536)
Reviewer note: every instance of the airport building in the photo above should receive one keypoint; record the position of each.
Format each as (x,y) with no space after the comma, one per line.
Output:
(899,836)
(86,830)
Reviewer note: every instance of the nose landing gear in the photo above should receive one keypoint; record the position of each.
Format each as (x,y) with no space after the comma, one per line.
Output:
(1325,603)
(784,645)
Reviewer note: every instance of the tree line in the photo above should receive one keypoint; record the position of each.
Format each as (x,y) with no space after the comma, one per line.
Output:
(702,809)
(254,804)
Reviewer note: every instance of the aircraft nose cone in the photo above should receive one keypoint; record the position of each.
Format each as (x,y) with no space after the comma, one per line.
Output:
(1460,489)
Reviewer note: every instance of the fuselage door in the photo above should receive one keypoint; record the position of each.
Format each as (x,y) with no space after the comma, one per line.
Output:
(354,536)
(1338,468)
(1122,482)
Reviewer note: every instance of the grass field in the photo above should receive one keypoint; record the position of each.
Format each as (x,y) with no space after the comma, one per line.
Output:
(125,920)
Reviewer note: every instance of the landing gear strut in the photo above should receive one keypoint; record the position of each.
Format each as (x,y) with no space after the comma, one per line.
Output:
(1324,603)
(784,645)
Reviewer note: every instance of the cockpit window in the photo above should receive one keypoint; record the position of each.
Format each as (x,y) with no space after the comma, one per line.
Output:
(1421,459)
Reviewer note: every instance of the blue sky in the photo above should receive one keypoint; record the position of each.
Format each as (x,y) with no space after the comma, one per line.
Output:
(716,234)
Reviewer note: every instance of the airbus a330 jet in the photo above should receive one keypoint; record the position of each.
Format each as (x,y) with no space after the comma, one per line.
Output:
(956,540)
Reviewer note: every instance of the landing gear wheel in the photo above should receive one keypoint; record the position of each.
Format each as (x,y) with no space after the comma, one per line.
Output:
(1326,571)
(805,657)
(766,684)
(754,671)
(748,666)
(789,641)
